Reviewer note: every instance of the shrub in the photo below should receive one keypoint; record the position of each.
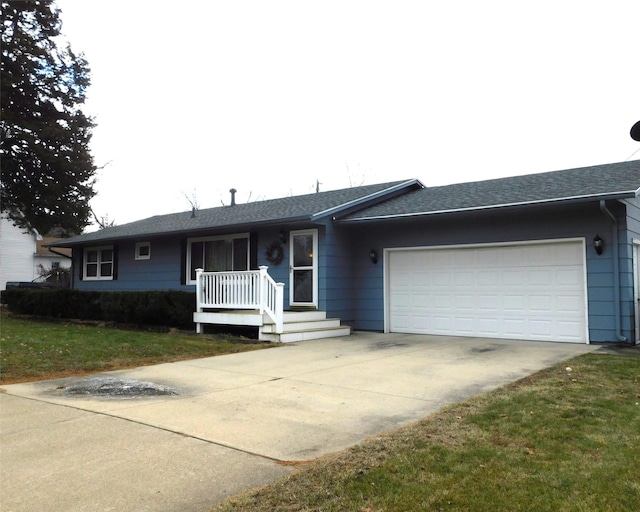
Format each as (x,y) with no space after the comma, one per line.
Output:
(162,308)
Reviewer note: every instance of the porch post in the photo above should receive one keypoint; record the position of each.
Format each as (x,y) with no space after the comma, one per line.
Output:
(199,307)
(263,288)
(279,307)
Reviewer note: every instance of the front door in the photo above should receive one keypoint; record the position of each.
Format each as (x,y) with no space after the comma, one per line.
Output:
(303,271)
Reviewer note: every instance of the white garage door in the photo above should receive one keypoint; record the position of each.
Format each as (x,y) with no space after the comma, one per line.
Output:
(526,291)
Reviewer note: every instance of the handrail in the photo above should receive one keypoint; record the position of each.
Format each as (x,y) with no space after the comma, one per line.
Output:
(249,289)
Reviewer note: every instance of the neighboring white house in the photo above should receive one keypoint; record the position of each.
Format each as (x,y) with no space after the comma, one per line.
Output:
(22,255)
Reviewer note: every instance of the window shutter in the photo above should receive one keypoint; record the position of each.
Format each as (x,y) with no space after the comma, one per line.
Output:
(115,262)
(80,263)
(183,261)
(253,251)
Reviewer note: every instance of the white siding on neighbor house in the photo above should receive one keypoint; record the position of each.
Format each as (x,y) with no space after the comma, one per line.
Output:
(47,261)
(17,250)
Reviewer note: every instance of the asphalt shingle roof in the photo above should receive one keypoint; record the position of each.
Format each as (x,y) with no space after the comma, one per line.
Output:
(601,181)
(287,209)
(609,181)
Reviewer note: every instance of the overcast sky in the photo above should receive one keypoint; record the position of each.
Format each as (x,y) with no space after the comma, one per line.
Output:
(196,97)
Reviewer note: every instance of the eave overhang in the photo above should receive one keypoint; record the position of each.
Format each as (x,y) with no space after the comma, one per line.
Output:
(562,200)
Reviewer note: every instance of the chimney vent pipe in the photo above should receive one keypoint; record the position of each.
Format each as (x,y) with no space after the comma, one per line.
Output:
(233,196)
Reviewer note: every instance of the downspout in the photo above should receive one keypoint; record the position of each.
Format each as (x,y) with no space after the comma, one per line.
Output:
(616,269)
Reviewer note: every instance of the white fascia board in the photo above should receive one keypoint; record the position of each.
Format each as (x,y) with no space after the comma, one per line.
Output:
(364,199)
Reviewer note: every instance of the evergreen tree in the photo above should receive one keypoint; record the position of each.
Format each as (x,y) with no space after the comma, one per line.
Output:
(47,170)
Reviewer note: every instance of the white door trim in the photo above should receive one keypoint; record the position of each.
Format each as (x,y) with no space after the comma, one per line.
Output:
(313,267)
(636,287)
(386,268)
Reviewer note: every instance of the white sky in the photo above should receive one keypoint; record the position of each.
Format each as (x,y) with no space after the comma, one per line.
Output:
(267,97)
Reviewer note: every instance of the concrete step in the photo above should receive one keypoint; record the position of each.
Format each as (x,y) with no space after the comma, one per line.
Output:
(288,326)
(297,325)
(303,316)
(307,334)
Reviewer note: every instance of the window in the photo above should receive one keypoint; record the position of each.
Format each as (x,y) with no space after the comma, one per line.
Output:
(98,263)
(217,254)
(143,250)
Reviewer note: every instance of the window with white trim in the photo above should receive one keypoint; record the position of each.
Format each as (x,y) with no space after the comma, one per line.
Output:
(98,263)
(143,250)
(217,254)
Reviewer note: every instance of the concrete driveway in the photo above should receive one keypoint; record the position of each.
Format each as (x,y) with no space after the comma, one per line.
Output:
(236,420)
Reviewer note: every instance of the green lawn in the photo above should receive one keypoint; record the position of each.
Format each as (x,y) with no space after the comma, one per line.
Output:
(34,350)
(565,439)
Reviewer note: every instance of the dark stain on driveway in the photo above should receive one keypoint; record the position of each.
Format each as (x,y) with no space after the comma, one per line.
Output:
(112,387)
(382,345)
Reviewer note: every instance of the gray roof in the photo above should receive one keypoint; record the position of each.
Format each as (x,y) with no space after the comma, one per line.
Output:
(610,181)
(396,199)
(307,207)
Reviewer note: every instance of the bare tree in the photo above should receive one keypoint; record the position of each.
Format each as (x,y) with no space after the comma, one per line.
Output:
(103,221)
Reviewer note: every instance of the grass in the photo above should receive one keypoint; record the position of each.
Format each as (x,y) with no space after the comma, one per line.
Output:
(564,439)
(35,350)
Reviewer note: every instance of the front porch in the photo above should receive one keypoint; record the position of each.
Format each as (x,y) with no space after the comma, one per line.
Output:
(253,299)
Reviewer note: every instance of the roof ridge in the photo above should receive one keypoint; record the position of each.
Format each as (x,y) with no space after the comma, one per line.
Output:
(537,174)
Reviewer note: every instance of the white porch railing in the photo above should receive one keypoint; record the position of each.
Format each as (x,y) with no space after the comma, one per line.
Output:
(250,289)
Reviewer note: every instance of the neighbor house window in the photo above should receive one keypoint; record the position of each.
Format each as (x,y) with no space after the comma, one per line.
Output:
(217,254)
(143,250)
(98,263)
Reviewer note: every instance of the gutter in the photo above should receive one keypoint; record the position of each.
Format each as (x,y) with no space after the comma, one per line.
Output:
(616,269)
(59,253)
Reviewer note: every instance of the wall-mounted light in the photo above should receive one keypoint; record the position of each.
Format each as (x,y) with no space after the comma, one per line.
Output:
(598,244)
(283,237)
(373,254)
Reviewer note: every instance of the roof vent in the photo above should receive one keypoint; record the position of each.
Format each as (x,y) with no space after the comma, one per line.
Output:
(233,196)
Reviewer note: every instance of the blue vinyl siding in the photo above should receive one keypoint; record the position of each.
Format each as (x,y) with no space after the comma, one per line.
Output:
(582,221)
(336,287)
(351,287)
(160,272)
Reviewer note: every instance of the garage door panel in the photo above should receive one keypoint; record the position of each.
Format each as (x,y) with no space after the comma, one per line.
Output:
(569,304)
(489,327)
(465,325)
(514,327)
(488,278)
(540,328)
(515,304)
(569,277)
(465,302)
(514,278)
(566,331)
(490,304)
(528,291)
(541,303)
(464,278)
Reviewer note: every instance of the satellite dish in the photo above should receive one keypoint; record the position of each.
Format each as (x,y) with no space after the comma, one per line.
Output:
(635,131)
